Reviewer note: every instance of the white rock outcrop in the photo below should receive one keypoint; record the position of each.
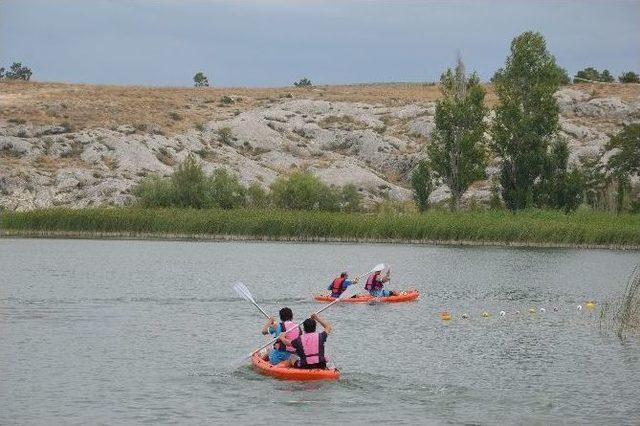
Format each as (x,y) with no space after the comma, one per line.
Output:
(373,147)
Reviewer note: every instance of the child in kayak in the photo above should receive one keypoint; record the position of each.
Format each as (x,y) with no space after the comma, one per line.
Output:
(291,330)
(340,284)
(376,281)
(310,345)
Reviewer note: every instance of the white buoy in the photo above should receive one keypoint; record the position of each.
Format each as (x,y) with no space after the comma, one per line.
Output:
(543,310)
(579,307)
(502,313)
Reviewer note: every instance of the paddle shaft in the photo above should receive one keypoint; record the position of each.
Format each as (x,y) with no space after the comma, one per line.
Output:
(259,308)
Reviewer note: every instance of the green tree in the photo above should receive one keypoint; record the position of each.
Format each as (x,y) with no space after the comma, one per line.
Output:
(526,118)
(190,185)
(564,77)
(587,74)
(558,187)
(457,152)
(626,158)
(257,196)
(200,80)
(595,183)
(625,161)
(606,77)
(225,191)
(629,77)
(422,185)
(303,191)
(17,72)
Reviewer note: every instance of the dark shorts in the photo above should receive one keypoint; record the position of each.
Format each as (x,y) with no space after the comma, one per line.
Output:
(320,365)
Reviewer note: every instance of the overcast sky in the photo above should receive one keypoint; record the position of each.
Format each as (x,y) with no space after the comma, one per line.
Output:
(274,42)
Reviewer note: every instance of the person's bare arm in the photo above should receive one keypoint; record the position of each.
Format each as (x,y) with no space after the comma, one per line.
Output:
(270,323)
(283,339)
(327,327)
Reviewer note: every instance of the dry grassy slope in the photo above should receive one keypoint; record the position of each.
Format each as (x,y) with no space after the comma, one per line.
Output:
(87,106)
(370,134)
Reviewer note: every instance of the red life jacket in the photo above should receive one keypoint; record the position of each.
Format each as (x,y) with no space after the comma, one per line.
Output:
(292,332)
(310,349)
(373,284)
(336,286)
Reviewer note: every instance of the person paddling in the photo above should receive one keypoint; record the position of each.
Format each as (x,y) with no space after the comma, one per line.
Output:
(287,327)
(375,284)
(310,345)
(340,284)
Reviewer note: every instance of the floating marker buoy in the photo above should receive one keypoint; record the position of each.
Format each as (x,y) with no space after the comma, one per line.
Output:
(532,310)
(445,316)
(484,314)
(464,316)
(543,310)
(590,305)
(502,313)
(579,307)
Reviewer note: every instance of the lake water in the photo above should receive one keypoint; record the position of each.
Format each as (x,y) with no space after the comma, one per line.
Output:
(125,332)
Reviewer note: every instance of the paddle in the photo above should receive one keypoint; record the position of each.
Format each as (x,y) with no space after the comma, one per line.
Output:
(242,291)
(378,267)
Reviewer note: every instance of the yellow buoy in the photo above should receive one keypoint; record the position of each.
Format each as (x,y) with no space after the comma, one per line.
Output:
(484,314)
(445,316)
(590,305)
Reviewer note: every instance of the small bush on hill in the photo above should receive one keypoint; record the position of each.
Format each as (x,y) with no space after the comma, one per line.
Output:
(226,100)
(629,77)
(303,82)
(225,135)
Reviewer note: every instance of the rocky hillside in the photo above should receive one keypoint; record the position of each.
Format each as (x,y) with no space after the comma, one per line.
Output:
(78,145)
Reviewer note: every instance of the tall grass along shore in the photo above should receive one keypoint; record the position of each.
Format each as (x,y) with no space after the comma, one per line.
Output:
(534,227)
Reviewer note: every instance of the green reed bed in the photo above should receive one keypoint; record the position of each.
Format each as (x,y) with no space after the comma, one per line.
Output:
(535,226)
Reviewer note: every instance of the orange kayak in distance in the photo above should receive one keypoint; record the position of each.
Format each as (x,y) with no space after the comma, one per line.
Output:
(403,296)
(262,365)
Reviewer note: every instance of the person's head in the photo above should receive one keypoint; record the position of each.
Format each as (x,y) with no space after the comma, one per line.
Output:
(286,314)
(344,275)
(309,325)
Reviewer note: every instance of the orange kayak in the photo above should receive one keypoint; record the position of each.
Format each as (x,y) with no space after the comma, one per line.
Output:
(261,364)
(404,296)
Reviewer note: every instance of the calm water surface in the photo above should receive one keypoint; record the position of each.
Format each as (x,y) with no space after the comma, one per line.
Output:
(126,332)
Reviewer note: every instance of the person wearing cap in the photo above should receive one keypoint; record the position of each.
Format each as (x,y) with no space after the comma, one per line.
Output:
(340,284)
(375,284)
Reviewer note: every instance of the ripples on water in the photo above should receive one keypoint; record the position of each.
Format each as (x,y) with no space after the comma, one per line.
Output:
(123,332)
